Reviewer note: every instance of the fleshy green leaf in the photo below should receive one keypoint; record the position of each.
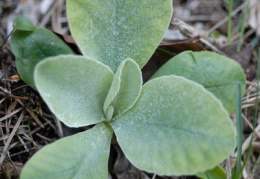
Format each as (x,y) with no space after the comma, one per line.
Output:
(215,173)
(30,47)
(125,88)
(177,127)
(74,88)
(23,23)
(113,30)
(218,74)
(83,155)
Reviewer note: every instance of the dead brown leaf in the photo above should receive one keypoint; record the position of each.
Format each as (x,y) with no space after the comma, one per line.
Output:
(69,40)
(11,170)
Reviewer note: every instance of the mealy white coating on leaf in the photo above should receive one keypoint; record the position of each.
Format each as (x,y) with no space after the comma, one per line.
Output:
(109,112)
(113,30)
(77,156)
(115,87)
(177,127)
(130,87)
(74,88)
(125,88)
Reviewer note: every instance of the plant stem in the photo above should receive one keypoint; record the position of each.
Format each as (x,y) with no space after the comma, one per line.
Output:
(242,28)
(256,112)
(1,48)
(229,21)
(239,130)
(165,51)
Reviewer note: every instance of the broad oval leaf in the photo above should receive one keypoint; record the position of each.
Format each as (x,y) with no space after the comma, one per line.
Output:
(74,88)
(218,74)
(113,30)
(23,23)
(125,89)
(177,127)
(83,155)
(30,47)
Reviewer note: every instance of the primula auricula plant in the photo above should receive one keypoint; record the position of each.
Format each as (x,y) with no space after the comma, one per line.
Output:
(175,124)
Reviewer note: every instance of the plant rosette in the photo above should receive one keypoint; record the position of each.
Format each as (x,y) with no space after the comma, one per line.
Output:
(175,124)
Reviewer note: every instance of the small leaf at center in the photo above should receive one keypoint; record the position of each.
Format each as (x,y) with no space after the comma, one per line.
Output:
(125,88)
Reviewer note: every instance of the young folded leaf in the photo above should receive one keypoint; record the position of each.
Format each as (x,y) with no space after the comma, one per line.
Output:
(83,155)
(125,88)
(218,74)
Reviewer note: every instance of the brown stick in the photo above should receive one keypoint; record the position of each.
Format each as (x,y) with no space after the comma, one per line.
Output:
(3,155)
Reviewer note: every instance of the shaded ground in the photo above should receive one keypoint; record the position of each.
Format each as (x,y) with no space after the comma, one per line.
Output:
(26,124)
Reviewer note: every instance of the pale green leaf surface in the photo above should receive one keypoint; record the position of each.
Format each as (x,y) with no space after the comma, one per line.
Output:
(32,47)
(176,127)
(74,88)
(215,173)
(113,30)
(126,87)
(83,155)
(218,74)
(23,23)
